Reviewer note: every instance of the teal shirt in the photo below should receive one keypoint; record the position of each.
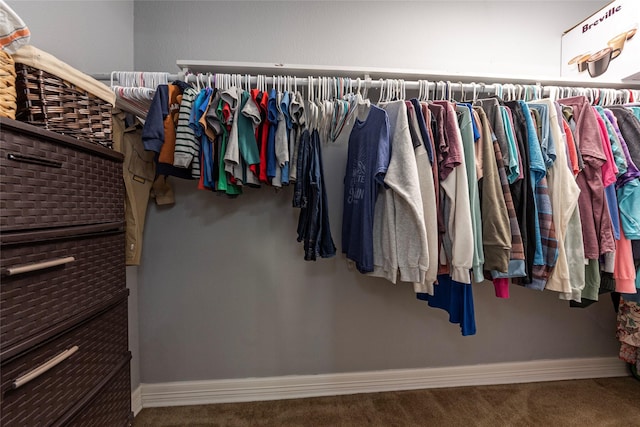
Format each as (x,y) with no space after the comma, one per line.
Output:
(246,135)
(513,168)
(616,148)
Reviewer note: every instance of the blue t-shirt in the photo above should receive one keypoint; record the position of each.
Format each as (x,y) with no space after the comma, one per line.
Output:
(284,106)
(367,162)
(456,299)
(537,171)
(423,128)
(546,143)
(272,116)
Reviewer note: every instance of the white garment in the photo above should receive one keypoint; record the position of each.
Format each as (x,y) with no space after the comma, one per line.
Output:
(564,193)
(459,226)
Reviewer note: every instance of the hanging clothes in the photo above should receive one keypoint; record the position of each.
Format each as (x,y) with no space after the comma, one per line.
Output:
(453,292)
(628,185)
(456,203)
(465,123)
(311,197)
(187,147)
(543,212)
(564,194)
(427,193)
(596,223)
(496,231)
(517,266)
(542,194)
(400,237)
(432,223)
(138,173)
(526,191)
(456,299)
(367,163)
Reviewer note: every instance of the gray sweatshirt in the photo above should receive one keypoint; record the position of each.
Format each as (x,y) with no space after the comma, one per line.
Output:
(400,237)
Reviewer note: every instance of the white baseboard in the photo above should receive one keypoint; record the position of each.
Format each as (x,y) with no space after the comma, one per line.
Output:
(296,386)
(136,400)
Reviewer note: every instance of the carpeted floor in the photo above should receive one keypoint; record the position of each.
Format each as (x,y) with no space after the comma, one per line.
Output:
(594,402)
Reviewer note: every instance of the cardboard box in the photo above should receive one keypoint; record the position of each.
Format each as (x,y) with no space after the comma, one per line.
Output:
(605,46)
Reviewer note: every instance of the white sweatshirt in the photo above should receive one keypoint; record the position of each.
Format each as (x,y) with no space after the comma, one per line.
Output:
(459,226)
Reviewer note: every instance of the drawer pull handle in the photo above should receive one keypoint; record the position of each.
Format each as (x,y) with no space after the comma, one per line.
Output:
(19,382)
(27,268)
(34,160)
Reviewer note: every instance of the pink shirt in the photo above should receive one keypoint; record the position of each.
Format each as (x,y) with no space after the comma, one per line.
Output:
(624,271)
(609,168)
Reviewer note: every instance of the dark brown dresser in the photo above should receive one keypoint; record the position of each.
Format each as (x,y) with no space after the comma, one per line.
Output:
(64,355)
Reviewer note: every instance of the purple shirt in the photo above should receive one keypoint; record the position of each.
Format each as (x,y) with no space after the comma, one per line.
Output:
(632,170)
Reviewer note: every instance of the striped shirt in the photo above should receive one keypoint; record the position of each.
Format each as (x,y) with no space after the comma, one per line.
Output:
(187,149)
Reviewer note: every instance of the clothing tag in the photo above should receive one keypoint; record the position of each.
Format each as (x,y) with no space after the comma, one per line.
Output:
(139,179)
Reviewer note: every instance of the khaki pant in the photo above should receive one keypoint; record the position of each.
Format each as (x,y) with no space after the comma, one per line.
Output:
(139,173)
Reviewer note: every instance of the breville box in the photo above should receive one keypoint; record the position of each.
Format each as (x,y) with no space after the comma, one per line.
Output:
(604,47)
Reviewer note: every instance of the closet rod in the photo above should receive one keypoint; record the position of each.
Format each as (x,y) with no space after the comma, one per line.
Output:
(299,70)
(440,85)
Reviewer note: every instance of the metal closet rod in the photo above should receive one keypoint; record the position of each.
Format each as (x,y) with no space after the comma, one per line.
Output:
(458,82)
(377,83)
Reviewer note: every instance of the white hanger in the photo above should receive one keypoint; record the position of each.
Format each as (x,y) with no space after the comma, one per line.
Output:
(326,89)
(381,95)
(498,91)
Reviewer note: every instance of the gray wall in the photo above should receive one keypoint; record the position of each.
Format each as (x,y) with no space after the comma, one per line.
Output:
(224,291)
(93,37)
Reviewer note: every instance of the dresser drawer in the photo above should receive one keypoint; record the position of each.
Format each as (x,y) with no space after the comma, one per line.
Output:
(90,271)
(111,407)
(89,353)
(50,180)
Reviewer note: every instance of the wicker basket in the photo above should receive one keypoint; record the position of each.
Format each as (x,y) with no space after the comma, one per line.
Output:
(7,86)
(48,101)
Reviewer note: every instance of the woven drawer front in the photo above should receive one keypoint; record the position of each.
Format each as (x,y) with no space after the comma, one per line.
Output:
(102,344)
(112,407)
(52,185)
(32,302)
